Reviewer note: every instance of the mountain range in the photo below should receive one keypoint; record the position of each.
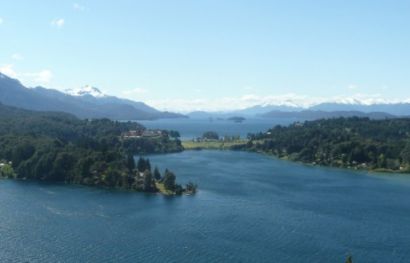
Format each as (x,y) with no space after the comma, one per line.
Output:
(319,111)
(319,114)
(88,102)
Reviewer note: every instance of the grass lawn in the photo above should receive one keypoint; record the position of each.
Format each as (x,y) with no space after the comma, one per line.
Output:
(161,189)
(214,145)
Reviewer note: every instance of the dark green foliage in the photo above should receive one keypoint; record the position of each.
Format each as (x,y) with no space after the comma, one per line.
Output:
(152,145)
(143,165)
(169,180)
(157,174)
(178,189)
(191,187)
(174,134)
(149,183)
(130,162)
(349,259)
(210,135)
(342,142)
(6,170)
(148,165)
(59,147)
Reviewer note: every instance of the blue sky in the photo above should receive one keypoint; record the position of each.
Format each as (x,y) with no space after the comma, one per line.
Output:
(211,54)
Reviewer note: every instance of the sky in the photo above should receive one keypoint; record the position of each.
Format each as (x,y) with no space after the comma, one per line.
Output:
(212,54)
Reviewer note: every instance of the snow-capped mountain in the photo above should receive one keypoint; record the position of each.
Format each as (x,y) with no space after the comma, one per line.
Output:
(86,90)
(87,102)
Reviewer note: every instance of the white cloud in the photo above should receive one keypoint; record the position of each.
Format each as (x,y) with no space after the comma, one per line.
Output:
(250,100)
(28,78)
(8,70)
(231,103)
(41,77)
(17,56)
(58,22)
(78,7)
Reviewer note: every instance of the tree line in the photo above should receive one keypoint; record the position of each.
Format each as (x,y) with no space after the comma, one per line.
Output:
(342,142)
(59,147)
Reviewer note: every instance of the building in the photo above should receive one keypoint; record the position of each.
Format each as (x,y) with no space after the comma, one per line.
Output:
(142,133)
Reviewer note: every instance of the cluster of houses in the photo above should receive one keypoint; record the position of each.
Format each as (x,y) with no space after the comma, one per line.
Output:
(220,139)
(142,134)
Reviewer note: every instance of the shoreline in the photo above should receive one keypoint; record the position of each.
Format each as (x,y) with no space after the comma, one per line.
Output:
(212,146)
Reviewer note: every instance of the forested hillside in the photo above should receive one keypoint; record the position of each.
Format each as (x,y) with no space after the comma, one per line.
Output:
(60,147)
(343,142)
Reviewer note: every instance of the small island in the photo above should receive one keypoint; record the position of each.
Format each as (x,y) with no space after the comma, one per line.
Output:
(237,119)
(58,147)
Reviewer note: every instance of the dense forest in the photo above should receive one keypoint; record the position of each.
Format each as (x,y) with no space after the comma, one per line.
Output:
(59,147)
(360,143)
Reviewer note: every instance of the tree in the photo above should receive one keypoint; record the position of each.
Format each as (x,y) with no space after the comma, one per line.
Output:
(178,189)
(169,180)
(130,162)
(7,171)
(210,135)
(349,259)
(141,165)
(110,177)
(50,146)
(174,134)
(157,174)
(148,181)
(405,154)
(191,187)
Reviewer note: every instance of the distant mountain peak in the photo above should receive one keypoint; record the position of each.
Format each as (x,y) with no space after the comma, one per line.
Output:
(86,90)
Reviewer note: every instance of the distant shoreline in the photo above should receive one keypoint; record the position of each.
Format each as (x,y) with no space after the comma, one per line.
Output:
(190,145)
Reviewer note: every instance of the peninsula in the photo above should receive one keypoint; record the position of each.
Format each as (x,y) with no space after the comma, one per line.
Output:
(58,147)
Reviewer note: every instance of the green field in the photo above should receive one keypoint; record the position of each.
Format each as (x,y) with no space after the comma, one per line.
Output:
(214,145)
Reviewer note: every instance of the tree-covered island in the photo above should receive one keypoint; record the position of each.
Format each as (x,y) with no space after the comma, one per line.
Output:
(59,147)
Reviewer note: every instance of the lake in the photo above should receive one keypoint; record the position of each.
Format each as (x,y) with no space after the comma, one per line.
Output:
(192,128)
(249,208)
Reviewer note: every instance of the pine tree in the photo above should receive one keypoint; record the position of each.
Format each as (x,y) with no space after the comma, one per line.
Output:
(169,180)
(148,182)
(148,165)
(141,165)
(157,174)
(130,162)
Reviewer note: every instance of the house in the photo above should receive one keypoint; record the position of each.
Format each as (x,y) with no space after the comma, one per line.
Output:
(141,133)
(152,133)
(132,134)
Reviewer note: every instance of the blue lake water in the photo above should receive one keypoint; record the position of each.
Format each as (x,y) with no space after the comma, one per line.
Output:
(192,128)
(250,208)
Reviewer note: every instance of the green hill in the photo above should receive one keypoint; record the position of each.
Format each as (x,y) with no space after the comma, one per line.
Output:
(61,148)
(361,143)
